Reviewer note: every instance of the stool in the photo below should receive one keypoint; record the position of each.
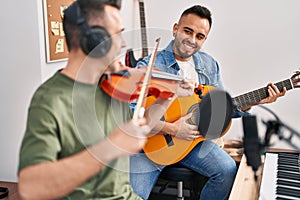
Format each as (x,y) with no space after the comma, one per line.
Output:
(183,177)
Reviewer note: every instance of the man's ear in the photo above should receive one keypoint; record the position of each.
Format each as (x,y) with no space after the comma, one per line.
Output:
(175,29)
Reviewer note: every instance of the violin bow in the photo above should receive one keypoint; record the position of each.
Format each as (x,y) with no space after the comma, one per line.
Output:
(140,106)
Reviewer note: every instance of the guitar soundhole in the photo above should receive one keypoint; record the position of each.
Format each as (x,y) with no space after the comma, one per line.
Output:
(194,109)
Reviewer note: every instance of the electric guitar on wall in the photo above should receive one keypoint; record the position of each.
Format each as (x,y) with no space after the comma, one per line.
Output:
(130,60)
(166,149)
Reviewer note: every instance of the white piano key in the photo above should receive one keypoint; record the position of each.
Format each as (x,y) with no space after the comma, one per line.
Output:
(268,183)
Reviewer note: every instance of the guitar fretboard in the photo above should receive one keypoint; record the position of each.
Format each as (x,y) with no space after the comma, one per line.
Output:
(143,29)
(256,96)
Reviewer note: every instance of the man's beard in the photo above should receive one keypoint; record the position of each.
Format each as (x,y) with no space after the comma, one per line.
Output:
(186,54)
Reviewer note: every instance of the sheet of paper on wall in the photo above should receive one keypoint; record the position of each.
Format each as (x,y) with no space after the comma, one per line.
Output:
(55,26)
(59,47)
(62,33)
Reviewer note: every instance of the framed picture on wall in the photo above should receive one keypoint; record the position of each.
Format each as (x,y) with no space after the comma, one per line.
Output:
(56,47)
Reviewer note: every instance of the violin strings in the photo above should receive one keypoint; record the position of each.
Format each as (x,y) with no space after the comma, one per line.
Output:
(165,75)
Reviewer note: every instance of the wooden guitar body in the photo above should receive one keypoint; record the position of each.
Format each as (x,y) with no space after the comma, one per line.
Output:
(165,149)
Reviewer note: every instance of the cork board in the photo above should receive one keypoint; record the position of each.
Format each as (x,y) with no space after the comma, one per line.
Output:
(56,47)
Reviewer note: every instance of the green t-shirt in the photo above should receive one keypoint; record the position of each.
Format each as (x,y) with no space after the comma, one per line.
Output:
(64,118)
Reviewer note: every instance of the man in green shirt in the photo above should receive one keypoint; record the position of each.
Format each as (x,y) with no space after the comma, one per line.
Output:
(78,139)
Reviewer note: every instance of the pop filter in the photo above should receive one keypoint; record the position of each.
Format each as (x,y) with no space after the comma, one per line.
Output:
(213,114)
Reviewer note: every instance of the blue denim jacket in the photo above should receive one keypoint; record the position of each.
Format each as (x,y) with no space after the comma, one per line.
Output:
(206,66)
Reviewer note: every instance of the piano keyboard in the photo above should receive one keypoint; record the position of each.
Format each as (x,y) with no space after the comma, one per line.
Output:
(281,177)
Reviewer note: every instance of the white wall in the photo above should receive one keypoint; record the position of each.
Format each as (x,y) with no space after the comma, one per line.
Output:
(20,73)
(255,42)
(23,68)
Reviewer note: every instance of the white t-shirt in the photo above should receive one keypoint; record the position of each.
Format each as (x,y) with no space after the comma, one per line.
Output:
(187,70)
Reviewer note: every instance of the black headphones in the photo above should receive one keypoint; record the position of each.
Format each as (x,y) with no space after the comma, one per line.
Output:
(95,41)
(4,192)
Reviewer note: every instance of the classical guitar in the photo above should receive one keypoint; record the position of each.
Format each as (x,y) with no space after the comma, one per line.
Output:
(165,149)
(130,60)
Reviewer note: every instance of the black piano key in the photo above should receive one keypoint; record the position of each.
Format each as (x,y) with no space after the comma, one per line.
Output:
(289,180)
(288,162)
(288,168)
(282,198)
(288,195)
(288,183)
(293,176)
(288,154)
(287,191)
(288,158)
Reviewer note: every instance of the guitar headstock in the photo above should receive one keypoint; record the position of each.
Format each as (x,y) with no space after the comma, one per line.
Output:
(296,79)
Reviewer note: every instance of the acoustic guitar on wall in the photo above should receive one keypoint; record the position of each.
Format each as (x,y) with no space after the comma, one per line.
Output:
(130,59)
(166,149)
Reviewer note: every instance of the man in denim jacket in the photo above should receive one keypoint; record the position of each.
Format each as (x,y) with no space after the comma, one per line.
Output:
(183,57)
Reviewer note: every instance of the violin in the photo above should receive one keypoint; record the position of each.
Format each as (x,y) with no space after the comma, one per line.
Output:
(138,83)
(125,85)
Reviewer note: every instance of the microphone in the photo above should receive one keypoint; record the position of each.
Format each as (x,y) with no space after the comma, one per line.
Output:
(252,145)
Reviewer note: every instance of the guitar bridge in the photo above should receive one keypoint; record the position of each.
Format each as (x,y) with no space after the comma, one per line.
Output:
(169,139)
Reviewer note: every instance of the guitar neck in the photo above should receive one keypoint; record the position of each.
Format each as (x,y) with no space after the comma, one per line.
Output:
(256,96)
(143,29)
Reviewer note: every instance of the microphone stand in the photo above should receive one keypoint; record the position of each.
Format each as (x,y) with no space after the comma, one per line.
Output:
(275,127)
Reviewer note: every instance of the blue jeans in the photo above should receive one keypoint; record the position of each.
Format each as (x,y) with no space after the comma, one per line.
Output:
(206,158)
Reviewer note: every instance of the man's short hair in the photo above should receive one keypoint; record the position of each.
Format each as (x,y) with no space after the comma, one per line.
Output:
(200,11)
